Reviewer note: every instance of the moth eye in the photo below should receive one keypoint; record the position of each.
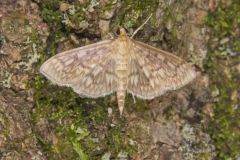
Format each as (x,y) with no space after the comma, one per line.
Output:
(117,31)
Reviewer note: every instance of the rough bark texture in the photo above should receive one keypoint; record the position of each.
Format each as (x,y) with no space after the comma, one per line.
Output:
(41,121)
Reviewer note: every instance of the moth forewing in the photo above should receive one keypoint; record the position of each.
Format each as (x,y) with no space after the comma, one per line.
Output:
(84,69)
(155,71)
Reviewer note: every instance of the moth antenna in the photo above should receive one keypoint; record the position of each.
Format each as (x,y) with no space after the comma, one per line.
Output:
(135,32)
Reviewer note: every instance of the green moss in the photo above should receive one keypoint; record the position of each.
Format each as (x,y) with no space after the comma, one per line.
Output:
(133,13)
(117,140)
(138,106)
(225,124)
(203,156)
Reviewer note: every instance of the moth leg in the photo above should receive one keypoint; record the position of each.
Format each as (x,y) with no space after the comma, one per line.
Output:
(111,35)
(134,100)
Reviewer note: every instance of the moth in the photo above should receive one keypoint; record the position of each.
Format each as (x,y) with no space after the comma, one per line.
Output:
(118,65)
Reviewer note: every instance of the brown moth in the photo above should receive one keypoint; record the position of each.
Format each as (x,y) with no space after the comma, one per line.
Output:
(118,65)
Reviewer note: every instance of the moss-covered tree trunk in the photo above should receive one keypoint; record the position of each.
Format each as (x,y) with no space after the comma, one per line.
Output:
(39,120)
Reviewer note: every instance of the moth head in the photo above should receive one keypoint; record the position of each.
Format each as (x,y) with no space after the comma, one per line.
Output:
(123,32)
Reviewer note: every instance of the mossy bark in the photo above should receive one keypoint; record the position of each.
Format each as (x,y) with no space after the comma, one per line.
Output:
(203,117)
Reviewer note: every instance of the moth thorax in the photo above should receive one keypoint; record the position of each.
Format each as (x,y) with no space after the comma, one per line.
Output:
(123,48)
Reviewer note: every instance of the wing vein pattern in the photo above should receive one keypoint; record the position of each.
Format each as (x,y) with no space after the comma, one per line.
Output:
(89,70)
(153,71)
